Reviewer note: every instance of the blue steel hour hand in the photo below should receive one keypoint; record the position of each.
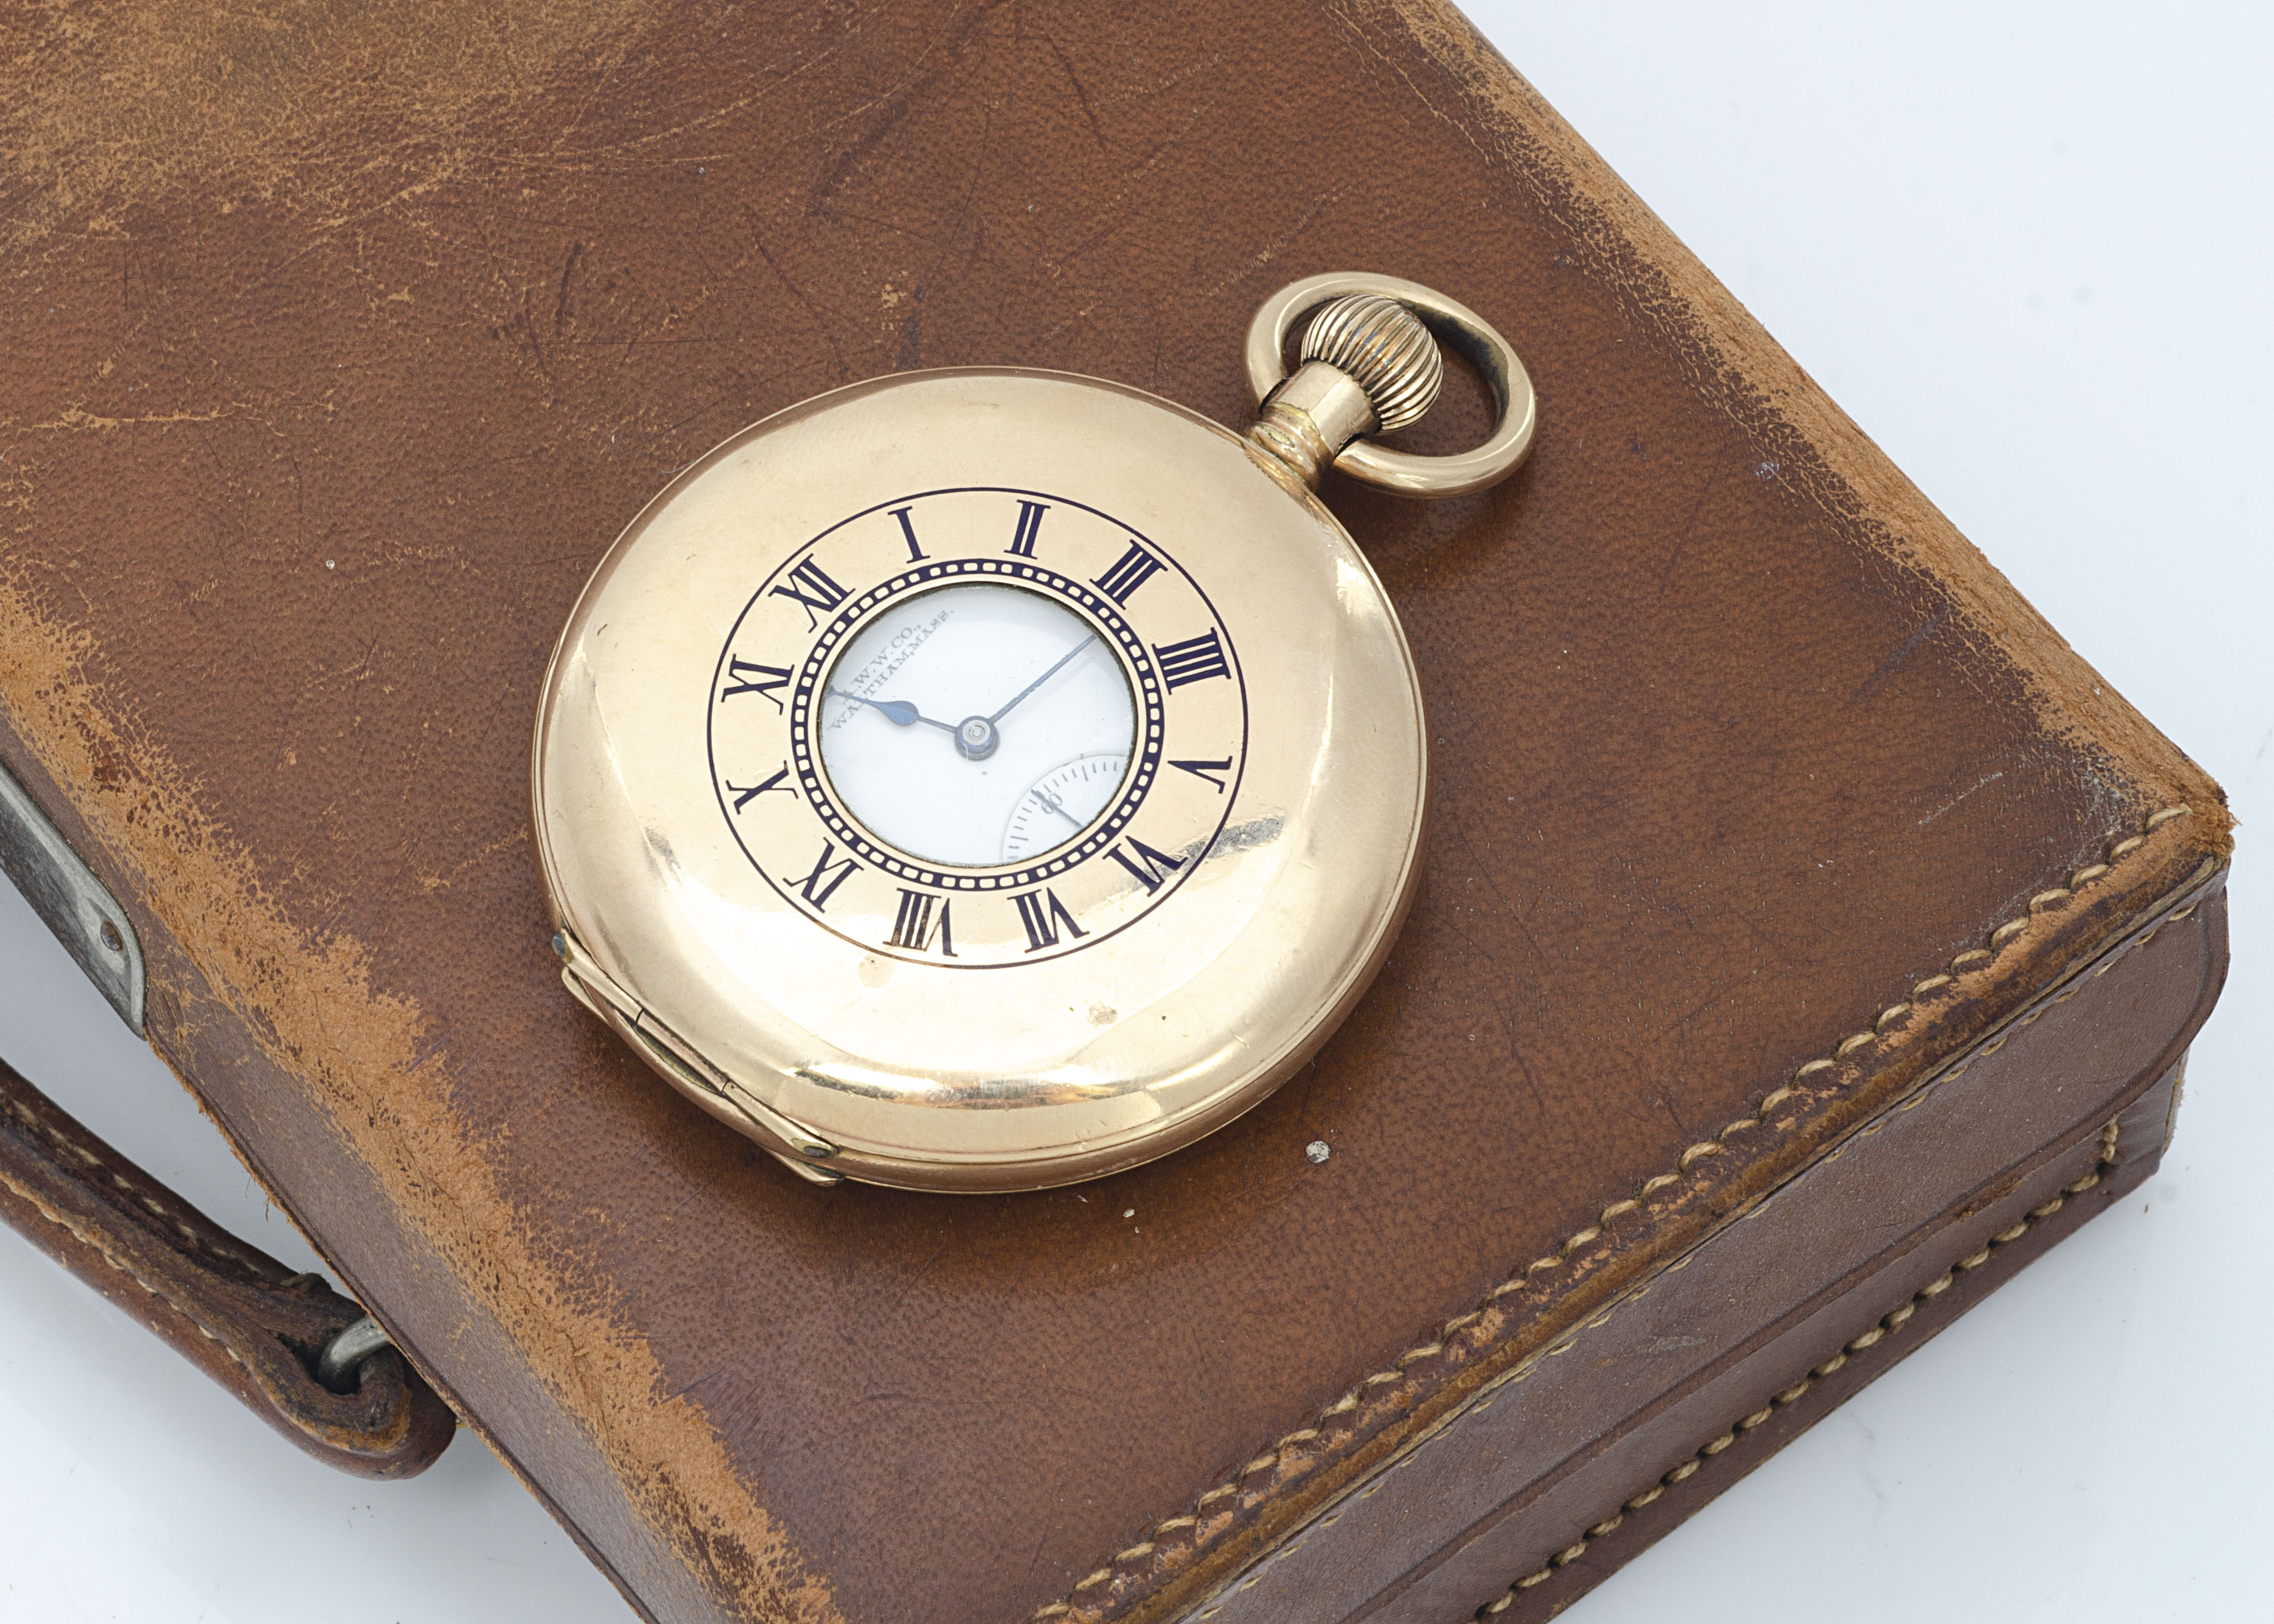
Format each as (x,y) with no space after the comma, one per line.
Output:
(1045,677)
(899,713)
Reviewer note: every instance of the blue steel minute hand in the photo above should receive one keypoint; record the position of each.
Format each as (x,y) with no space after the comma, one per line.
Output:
(899,713)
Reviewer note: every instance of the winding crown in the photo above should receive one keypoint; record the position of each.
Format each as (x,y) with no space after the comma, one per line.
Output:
(1384,348)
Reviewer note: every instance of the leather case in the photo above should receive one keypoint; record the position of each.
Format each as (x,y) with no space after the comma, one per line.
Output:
(1808,936)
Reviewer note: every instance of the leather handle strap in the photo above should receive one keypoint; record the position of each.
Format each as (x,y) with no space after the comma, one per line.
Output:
(234,1312)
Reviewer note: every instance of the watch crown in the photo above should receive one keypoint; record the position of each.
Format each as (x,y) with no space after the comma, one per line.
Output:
(1384,348)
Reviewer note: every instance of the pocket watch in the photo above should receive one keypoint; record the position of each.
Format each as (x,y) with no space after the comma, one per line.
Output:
(988,778)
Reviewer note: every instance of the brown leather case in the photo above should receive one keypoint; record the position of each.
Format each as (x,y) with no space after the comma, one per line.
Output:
(1808,936)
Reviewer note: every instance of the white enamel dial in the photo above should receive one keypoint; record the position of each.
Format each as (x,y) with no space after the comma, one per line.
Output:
(955,708)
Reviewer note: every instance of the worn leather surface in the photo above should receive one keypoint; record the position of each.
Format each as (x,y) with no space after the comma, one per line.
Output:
(1575,1432)
(233,1310)
(1980,1252)
(347,337)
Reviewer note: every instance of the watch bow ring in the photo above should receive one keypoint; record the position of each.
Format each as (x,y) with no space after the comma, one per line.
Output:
(1350,298)
(988,778)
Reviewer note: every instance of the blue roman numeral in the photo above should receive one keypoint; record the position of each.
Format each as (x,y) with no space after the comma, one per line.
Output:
(1030,526)
(1135,567)
(827,875)
(908,535)
(1206,769)
(913,925)
(810,588)
(742,677)
(1041,914)
(1158,865)
(744,797)
(1195,659)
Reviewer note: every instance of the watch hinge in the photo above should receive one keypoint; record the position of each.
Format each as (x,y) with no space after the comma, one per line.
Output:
(594,989)
(806,1170)
(588,981)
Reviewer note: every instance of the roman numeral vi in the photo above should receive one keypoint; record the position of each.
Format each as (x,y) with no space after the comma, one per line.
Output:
(1158,865)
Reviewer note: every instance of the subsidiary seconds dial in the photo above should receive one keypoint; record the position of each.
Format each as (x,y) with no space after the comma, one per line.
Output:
(1065,798)
(977,727)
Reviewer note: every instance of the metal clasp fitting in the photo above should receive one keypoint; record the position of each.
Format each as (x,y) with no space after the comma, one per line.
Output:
(343,1355)
(77,906)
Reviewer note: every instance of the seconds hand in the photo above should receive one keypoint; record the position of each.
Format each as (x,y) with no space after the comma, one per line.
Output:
(1055,805)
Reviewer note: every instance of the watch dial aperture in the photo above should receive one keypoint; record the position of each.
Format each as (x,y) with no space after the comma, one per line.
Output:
(949,721)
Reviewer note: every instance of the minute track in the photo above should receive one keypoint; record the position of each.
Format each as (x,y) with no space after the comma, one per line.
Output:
(1100,569)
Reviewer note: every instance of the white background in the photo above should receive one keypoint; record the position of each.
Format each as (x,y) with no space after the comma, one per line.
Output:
(2027,247)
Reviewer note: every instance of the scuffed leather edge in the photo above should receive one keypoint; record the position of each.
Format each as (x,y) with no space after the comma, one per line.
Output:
(1968,1008)
(228,1026)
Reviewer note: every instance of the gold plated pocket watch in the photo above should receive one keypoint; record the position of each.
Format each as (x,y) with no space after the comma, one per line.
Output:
(987,779)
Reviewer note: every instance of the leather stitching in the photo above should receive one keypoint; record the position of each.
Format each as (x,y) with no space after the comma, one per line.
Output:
(1288,1458)
(1887,1326)
(93,1239)
(197,1241)
(278,1401)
